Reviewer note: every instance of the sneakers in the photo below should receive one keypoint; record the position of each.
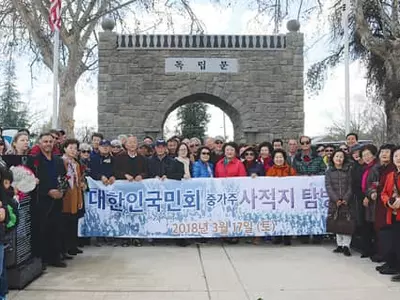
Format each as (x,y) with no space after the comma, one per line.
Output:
(339,249)
(346,251)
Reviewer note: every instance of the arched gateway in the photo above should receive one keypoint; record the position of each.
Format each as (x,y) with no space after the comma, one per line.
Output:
(256,80)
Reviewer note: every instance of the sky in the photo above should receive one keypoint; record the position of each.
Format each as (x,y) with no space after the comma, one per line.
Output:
(320,110)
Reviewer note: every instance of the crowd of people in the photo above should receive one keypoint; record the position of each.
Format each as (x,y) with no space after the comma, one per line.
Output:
(362,183)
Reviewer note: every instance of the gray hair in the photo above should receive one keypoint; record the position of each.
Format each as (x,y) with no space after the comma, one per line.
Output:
(85,147)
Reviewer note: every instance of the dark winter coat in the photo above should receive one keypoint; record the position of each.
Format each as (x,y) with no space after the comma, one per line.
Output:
(338,187)
(166,166)
(376,181)
(134,166)
(254,168)
(101,166)
(356,175)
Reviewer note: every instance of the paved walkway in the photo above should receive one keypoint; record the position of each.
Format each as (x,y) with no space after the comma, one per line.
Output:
(241,272)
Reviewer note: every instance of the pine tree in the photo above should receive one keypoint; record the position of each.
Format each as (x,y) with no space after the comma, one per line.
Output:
(13,112)
(193,119)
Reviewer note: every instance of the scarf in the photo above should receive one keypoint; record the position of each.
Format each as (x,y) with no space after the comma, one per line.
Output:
(186,165)
(72,176)
(364,179)
(267,163)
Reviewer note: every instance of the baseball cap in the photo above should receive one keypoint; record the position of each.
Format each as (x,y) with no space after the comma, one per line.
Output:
(161,142)
(105,143)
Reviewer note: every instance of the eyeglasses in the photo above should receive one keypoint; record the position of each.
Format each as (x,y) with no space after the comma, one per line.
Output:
(85,151)
(194,145)
(205,153)
(219,143)
(305,143)
(329,150)
(249,154)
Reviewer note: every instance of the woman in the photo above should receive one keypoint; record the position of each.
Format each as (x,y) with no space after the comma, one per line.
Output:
(203,168)
(230,166)
(116,148)
(281,168)
(72,201)
(84,158)
(183,166)
(391,200)
(338,187)
(265,155)
(253,167)
(368,236)
(184,158)
(19,145)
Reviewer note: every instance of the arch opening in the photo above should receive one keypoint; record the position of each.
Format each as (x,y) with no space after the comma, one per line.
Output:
(224,119)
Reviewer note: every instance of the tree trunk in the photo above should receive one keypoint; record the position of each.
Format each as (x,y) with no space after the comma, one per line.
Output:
(392,109)
(67,104)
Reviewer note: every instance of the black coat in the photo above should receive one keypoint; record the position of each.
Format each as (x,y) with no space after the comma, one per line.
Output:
(357,171)
(167,166)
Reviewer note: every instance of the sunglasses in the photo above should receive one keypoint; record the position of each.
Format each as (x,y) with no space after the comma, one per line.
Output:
(85,151)
(305,143)
(205,153)
(219,143)
(195,145)
(249,154)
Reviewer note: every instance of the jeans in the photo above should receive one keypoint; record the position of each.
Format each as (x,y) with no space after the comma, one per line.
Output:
(343,240)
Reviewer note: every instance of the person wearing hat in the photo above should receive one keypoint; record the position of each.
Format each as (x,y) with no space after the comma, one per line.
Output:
(116,148)
(161,165)
(145,150)
(253,167)
(101,166)
(217,153)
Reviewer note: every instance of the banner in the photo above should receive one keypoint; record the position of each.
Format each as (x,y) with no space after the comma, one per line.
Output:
(206,207)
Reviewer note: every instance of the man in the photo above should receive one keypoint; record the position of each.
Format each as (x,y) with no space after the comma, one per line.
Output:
(172,145)
(145,150)
(132,167)
(218,153)
(62,136)
(307,163)
(101,168)
(101,165)
(210,143)
(277,144)
(56,144)
(96,139)
(351,140)
(292,150)
(148,140)
(50,171)
(329,149)
(161,165)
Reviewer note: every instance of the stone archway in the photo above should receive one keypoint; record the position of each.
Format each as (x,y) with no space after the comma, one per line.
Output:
(230,111)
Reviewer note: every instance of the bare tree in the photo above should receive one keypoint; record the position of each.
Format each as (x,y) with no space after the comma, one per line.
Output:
(368,121)
(375,41)
(25,22)
(84,133)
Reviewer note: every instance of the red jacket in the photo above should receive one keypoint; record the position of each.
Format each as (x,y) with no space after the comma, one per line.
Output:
(234,168)
(387,194)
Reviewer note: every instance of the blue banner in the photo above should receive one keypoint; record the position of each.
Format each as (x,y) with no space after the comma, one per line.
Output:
(206,207)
